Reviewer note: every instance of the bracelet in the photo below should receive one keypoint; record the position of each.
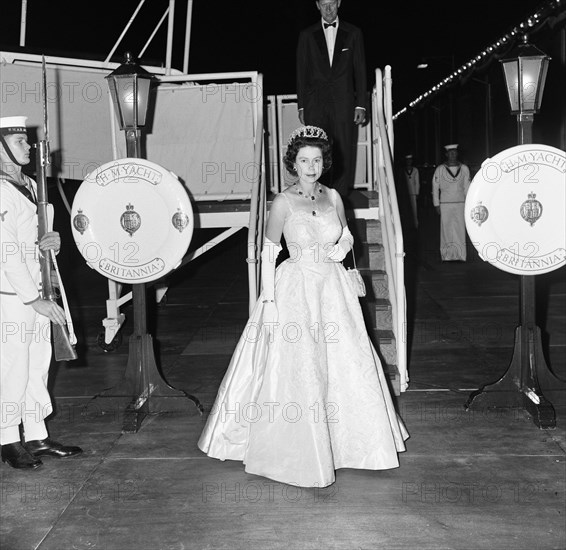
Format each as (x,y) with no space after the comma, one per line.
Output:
(266,301)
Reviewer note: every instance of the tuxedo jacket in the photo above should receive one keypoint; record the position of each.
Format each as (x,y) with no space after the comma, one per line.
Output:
(342,84)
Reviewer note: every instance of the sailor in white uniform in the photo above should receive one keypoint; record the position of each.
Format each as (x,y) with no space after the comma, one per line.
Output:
(25,316)
(450,185)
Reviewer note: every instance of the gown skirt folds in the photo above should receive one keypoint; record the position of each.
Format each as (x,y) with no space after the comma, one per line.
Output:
(307,395)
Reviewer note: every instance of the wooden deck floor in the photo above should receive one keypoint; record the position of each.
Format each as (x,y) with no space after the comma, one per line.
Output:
(476,479)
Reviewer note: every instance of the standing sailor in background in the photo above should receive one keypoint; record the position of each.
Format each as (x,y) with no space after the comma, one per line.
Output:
(412,179)
(450,185)
(26,317)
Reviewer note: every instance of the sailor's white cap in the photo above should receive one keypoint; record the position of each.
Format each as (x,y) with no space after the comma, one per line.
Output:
(13,125)
(451,146)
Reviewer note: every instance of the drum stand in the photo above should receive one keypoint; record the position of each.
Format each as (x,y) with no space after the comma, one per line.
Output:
(142,384)
(528,377)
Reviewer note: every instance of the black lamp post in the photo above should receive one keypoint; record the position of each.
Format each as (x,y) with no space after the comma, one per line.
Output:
(143,385)
(528,374)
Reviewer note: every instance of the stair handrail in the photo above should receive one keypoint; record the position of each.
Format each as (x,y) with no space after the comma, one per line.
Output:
(389,215)
(257,207)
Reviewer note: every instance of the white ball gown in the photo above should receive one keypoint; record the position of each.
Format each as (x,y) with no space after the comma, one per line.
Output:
(309,396)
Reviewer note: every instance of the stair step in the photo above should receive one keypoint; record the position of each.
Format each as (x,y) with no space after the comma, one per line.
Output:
(384,341)
(387,348)
(382,304)
(386,345)
(370,255)
(376,283)
(373,231)
(383,315)
(370,259)
(385,336)
(392,373)
(377,313)
(359,198)
(367,231)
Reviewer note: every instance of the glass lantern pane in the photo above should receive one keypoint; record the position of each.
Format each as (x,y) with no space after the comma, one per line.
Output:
(143,97)
(125,91)
(511,71)
(530,71)
(115,101)
(542,82)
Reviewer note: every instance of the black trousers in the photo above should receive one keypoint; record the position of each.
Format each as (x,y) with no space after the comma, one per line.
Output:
(338,122)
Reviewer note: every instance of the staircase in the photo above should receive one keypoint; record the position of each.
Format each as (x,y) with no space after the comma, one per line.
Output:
(376,305)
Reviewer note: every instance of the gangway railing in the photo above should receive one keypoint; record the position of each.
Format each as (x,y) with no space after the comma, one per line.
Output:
(169,13)
(389,214)
(258,209)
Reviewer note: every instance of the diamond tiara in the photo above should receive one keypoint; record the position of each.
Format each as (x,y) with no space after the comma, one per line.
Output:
(308,132)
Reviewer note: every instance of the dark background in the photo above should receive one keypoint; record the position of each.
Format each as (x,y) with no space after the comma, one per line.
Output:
(262,35)
(259,35)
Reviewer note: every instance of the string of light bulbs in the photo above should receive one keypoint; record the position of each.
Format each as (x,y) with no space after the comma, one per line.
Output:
(530,25)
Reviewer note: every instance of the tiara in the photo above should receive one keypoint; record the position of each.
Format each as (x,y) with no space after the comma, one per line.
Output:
(308,132)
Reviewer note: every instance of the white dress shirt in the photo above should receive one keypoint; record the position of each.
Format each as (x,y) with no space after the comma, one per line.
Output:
(330,35)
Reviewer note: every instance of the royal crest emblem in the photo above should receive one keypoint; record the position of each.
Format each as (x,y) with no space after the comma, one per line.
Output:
(81,222)
(479,213)
(130,220)
(531,209)
(180,220)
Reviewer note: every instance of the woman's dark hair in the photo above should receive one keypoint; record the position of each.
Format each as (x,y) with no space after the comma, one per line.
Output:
(298,143)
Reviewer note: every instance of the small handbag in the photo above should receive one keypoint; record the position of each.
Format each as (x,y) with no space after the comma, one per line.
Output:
(355,279)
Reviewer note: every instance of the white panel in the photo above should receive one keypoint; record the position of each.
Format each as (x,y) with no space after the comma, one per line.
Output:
(78,112)
(204,134)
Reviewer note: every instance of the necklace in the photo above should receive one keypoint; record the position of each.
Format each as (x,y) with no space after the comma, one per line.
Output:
(312,197)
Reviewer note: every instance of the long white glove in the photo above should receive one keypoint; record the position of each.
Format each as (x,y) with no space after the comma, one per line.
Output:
(342,247)
(269,255)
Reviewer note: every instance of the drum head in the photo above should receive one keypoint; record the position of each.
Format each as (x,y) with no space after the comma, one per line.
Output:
(132,220)
(516,210)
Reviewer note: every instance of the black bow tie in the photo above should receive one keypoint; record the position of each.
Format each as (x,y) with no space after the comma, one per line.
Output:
(326,25)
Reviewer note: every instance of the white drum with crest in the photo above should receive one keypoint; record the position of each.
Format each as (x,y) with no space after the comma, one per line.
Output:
(516,209)
(132,220)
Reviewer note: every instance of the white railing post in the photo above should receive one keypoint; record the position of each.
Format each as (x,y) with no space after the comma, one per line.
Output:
(389,216)
(170,28)
(188,26)
(23,23)
(257,207)
(388,106)
(128,25)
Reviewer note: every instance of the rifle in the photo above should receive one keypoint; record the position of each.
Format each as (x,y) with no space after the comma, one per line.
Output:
(63,346)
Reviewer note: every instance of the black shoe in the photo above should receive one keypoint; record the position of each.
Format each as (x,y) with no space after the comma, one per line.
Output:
(17,456)
(48,447)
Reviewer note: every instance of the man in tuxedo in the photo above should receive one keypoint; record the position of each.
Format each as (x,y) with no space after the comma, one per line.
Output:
(331,87)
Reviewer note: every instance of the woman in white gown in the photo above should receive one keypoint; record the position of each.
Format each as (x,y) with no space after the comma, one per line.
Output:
(305,393)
